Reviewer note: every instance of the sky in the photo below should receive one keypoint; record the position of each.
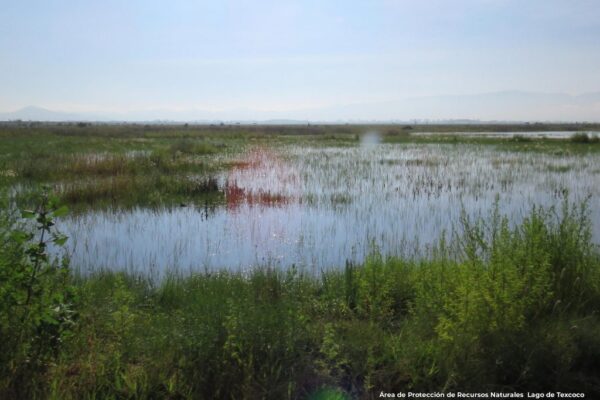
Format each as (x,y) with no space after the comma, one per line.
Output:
(122,56)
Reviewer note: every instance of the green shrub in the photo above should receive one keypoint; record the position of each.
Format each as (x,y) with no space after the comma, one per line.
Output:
(580,137)
(36,300)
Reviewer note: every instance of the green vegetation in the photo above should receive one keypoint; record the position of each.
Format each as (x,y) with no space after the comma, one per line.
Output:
(37,299)
(128,165)
(495,308)
(109,171)
(584,138)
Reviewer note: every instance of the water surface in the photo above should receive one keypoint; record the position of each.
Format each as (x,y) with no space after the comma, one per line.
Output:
(316,207)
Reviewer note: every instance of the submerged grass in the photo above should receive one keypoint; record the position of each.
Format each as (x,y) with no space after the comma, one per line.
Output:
(496,308)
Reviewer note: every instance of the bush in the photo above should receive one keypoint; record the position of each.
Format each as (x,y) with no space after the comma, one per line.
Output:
(36,300)
(580,137)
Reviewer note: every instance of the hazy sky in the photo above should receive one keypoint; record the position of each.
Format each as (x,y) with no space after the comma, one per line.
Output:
(278,55)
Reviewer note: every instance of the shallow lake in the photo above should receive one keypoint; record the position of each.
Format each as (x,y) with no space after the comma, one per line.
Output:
(317,207)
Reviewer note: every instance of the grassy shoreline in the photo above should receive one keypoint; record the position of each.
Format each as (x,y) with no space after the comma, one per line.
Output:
(496,309)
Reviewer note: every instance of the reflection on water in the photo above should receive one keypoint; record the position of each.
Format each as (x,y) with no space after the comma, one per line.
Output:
(318,207)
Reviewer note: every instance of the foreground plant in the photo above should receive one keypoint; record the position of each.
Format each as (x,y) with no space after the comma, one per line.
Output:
(36,298)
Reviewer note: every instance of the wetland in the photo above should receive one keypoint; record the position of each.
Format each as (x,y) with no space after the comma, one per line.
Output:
(298,261)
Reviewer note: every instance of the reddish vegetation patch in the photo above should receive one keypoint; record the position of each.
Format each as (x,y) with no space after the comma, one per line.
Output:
(240,165)
(236,196)
(251,171)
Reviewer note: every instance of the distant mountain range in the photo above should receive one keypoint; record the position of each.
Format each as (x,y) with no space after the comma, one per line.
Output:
(497,106)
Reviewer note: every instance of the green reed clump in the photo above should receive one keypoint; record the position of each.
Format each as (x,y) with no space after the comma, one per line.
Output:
(582,137)
(90,170)
(497,307)
(147,179)
(150,190)
(489,312)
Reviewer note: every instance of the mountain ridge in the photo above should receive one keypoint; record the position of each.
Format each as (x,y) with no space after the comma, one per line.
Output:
(509,106)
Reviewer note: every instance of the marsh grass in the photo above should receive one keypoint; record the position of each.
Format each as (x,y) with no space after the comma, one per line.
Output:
(74,156)
(162,176)
(497,307)
(133,191)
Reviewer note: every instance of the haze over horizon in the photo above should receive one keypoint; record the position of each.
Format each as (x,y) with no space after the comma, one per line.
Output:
(331,60)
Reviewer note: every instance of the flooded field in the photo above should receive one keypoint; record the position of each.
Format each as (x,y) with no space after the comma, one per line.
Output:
(299,257)
(317,207)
